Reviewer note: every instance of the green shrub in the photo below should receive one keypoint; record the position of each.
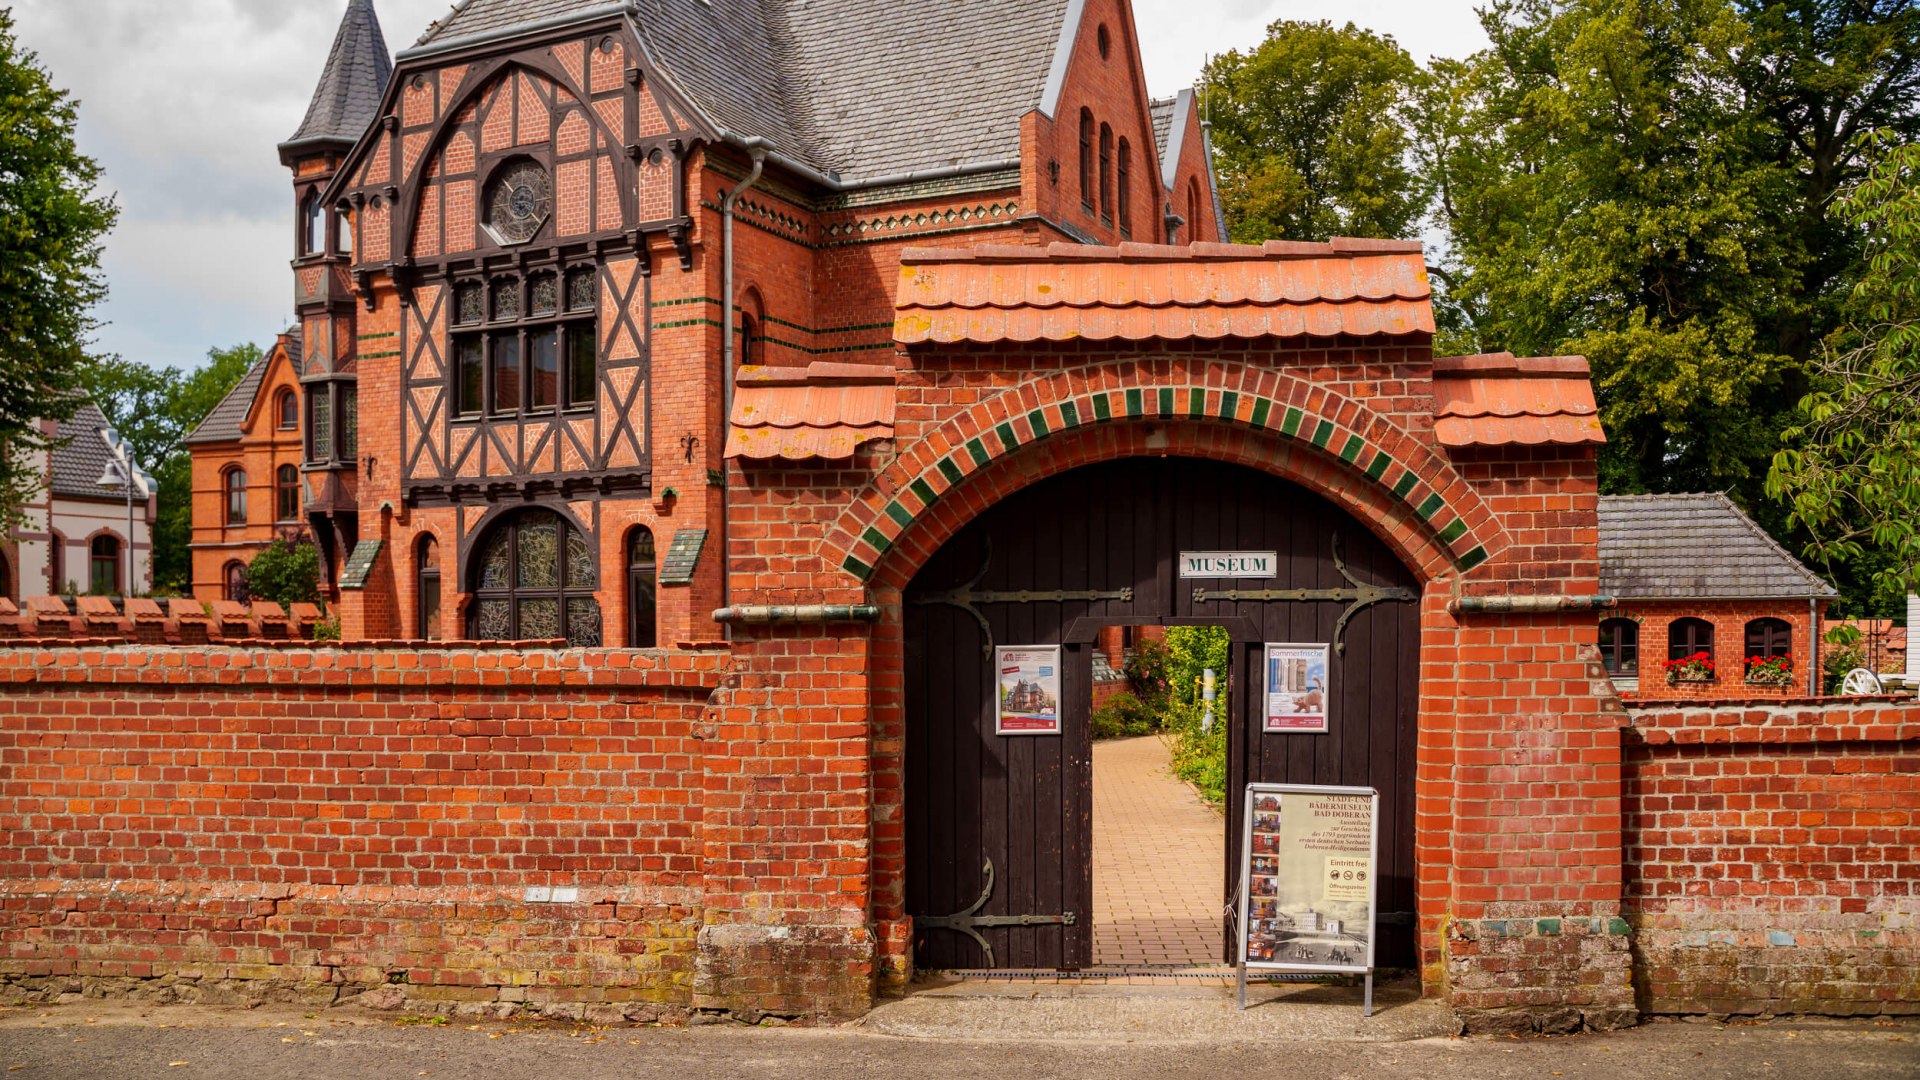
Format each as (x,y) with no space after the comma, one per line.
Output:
(285,573)
(1199,754)
(1123,716)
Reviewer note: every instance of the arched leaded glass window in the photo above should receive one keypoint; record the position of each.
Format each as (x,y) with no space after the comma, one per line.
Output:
(533,579)
(1689,637)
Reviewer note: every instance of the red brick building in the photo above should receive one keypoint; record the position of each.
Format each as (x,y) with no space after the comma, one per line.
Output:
(249,483)
(1710,606)
(782,377)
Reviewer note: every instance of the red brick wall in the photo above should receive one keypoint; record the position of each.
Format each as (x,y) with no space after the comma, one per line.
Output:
(237,825)
(1771,856)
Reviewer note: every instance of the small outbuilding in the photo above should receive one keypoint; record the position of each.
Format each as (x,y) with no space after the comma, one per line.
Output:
(1710,606)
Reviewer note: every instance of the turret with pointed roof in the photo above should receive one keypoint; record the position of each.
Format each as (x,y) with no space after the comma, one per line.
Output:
(348,97)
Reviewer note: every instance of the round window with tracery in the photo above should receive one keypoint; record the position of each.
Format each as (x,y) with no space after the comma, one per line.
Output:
(519,201)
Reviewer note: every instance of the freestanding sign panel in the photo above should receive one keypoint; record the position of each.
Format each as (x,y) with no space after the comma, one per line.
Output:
(1027,689)
(1307,881)
(1296,689)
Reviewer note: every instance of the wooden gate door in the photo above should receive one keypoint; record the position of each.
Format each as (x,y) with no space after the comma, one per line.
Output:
(999,828)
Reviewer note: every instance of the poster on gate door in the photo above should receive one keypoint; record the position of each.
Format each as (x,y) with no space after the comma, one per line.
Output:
(1309,867)
(1028,695)
(1296,701)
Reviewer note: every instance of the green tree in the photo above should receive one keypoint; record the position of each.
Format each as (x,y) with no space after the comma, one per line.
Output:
(285,572)
(51,227)
(1311,136)
(155,409)
(1607,192)
(1852,471)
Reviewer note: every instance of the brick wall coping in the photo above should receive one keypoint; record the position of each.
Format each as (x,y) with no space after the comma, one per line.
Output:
(301,664)
(1826,720)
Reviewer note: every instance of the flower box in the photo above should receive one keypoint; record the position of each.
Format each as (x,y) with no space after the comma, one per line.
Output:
(1695,669)
(1770,670)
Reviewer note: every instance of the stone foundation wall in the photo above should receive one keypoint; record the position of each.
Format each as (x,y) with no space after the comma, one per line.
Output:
(1771,854)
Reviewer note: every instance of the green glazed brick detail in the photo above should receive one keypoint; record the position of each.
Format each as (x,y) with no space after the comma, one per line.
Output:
(923,489)
(1134,405)
(978,450)
(1007,438)
(1351,452)
(1379,467)
(1261,407)
(1323,434)
(1405,483)
(1229,404)
(1617,927)
(1196,402)
(857,568)
(1166,401)
(1101,409)
(1431,507)
(899,514)
(880,543)
(1549,927)
(1472,558)
(950,470)
(1290,425)
(1454,531)
(1038,422)
(1069,415)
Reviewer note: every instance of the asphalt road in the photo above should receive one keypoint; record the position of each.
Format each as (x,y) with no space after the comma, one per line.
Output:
(65,1043)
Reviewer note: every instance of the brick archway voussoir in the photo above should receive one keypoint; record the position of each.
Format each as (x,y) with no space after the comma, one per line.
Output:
(1336,446)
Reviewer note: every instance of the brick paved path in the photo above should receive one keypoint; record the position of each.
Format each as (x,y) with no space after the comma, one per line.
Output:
(1156,861)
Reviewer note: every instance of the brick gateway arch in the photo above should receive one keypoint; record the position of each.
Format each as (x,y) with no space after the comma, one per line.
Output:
(1309,367)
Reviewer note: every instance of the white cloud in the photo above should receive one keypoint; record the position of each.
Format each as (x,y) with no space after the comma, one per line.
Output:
(183,102)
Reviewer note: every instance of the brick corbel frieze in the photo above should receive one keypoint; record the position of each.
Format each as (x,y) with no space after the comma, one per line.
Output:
(1377,470)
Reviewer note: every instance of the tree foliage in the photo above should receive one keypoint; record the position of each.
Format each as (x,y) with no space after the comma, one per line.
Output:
(51,227)
(1308,128)
(155,409)
(1852,473)
(285,572)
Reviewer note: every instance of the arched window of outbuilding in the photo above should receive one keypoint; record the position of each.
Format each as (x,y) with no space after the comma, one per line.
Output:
(1087,190)
(1620,647)
(103,577)
(1125,194)
(1689,637)
(286,493)
(236,496)
(233,581)
(286,409)
(534,579)
(1106,173)
(643,570)
(1769,638)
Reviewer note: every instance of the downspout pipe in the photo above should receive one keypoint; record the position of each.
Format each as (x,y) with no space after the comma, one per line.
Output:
(1813,647)
(757,150)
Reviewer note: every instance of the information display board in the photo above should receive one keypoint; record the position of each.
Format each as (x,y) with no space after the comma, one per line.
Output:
(1307,881)
(1027,689)
(1296,689)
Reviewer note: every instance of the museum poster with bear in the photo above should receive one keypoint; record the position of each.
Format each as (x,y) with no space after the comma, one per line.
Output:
(1309,871)
(1296,689)
(1028,693)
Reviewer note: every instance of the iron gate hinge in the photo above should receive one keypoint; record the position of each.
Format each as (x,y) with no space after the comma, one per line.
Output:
(966,596)
(967,922)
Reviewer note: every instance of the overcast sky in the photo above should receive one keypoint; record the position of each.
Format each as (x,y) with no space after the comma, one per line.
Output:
(183,101)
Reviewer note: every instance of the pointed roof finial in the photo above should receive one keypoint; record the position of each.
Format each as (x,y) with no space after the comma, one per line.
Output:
(355,79)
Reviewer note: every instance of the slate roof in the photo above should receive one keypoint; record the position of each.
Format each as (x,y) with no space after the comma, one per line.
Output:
(80,456)
(1138,292)
(223,423)
(863,89)
(1695,547)
(1162,113)
(348,98)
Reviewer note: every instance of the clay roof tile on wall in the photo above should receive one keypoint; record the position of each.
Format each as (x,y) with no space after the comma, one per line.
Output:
(1499,400)
(819,411)
(1137,292)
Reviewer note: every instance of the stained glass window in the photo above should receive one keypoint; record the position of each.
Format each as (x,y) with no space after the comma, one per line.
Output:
(580,289)
(468,304)
(544,292)
(519,201)
(533,579)
(322,427)
(349,422)
(506,298)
